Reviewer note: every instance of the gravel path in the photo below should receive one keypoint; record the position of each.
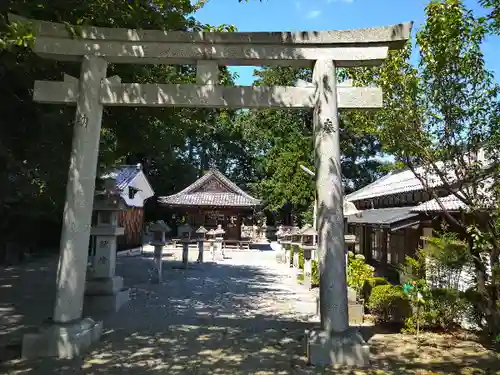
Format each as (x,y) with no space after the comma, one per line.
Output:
(241,315)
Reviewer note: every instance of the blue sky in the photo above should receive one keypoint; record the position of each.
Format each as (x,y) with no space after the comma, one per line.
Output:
(298,15)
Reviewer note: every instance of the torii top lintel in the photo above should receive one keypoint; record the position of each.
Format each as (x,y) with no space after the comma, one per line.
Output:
(358,47)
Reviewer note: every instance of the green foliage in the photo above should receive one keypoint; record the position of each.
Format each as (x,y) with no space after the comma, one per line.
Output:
(35,140)
(389,303)
(443,309)
(494,16)
(447,258)
(301,258)
(286,139)
(368,286)
(440,114)
(358,272)
(315,272)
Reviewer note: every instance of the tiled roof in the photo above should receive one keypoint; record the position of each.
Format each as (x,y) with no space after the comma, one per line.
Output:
(399,181)
(123,174)
(405,181)
(383,216)
(450,203)
(213,189)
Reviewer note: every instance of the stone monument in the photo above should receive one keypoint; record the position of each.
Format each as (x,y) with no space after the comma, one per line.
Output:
(327,51)
(104,291)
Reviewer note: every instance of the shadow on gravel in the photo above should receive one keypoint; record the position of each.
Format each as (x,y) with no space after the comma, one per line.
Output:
(211,319)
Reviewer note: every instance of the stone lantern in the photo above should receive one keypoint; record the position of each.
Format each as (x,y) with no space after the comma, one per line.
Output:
(159,229)
(309,239)
(201,231)
(219,239)
(293,240)
(104,290)
(184,231)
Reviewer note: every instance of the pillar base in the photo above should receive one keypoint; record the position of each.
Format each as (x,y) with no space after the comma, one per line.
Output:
(355,311)
(111,285)
(60,340)
(337,349)
(102,303)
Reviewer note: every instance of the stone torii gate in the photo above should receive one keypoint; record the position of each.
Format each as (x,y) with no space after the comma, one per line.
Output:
(95,47)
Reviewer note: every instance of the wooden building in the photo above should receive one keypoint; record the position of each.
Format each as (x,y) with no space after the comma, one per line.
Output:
(391,221)
(211,200)
(135,189)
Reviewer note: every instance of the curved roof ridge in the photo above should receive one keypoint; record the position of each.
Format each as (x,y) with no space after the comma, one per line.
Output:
(212,173)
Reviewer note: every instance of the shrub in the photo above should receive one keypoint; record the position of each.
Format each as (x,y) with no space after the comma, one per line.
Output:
(442,309)
(371,283)
(445,308)
(358,271)
(315,273)
(473,300)
(301,258)
(389,303)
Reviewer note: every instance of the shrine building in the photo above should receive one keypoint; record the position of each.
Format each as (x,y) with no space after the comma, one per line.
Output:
(211,200)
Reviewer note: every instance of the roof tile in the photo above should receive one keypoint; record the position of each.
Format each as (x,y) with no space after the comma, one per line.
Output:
(212,189)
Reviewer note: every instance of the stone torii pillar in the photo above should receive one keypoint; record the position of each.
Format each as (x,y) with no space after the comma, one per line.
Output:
(70,334)
(336,343)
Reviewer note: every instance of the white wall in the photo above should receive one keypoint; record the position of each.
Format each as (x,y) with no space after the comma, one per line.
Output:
(145,191)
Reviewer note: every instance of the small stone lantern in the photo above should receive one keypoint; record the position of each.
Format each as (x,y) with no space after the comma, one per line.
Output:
(309,236)
(184,231)
(294,239)
(219,239)
(211,240)
(104,290)
(159,229)
(201,231)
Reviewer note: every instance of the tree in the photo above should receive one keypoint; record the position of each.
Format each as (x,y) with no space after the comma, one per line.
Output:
(35,139)
(494,15)
(439,118)
(283,140)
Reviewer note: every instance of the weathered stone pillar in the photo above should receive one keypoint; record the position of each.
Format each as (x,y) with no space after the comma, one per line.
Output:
(201,231)
(69,334)
(185,252)
(335,343)
(159,229)
(80,192)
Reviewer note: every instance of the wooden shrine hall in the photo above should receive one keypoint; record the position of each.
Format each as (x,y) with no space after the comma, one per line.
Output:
(211,200)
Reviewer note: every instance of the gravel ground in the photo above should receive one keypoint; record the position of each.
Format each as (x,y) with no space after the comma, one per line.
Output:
(242,315)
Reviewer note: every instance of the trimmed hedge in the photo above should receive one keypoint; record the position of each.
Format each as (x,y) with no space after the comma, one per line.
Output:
(389,303)
(368,286)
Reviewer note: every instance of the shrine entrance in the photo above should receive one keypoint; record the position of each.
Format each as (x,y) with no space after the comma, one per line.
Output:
(325,51)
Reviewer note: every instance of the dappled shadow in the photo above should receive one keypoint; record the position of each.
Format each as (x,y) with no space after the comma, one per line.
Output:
(231,319)
(27,294)
(213,317)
